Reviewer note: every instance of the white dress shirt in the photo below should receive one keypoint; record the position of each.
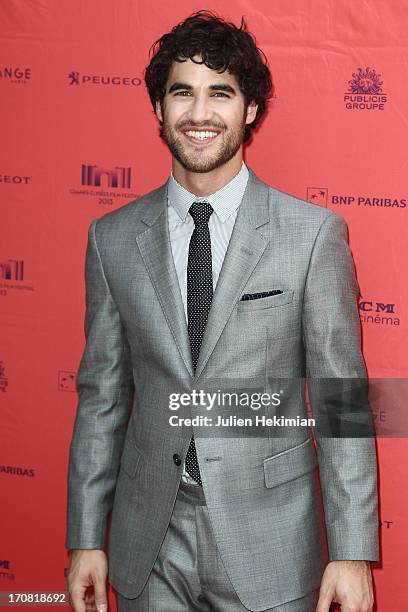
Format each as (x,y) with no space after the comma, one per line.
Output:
(225,203)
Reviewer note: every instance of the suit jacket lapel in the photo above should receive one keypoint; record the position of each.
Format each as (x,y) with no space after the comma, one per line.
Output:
(244,251)
(155,249)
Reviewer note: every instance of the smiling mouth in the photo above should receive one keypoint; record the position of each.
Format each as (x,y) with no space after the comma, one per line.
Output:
(199,137)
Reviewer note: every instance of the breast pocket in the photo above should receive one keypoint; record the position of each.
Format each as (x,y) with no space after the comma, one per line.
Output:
(271,301)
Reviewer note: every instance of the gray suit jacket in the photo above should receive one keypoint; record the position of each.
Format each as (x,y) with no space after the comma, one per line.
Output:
(274,526)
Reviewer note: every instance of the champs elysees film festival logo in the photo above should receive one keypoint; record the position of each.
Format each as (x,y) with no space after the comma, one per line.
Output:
(365,91)
(12,276)
(106,183)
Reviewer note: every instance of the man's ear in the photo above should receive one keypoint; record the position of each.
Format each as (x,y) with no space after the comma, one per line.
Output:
(159,111)
(251,112)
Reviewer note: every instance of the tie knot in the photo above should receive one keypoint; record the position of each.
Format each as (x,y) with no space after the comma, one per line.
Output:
(201,212)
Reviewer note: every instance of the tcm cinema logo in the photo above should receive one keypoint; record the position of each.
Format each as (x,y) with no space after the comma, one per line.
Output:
(378,313)
(365,91)
(12,273)
(368,202)
(3,378)
(115,177)
(317,195)
(105,182)
(76,78)
(15,74)
(14,179)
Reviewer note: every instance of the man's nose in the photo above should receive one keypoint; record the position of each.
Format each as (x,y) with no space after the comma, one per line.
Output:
(200,110)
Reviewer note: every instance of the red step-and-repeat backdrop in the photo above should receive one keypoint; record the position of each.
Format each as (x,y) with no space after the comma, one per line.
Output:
(79,139)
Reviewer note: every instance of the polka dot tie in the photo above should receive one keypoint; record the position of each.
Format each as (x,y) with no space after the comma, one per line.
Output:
(199,296)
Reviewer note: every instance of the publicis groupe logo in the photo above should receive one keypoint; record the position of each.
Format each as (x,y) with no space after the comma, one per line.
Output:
(105,182)
(15,74)
(3,378)
(320,196)
(378,313)
(12,271)
(365,91)
(76,78)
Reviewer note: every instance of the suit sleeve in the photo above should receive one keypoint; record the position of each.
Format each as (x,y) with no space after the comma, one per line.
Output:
(332,340)
(104,385)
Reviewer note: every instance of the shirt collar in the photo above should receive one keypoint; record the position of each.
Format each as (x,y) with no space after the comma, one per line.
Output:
(224,201)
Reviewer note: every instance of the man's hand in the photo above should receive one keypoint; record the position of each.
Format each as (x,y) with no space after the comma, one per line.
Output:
(348,583)
(87,568)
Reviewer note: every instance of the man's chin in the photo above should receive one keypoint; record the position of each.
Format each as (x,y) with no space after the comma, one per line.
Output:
(202,169)
(200,161)
(199,166)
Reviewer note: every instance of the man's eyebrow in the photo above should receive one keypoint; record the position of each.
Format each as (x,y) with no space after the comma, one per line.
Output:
(223,87)
(217,87)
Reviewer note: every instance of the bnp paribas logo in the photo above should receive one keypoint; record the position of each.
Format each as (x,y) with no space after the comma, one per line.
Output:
(365,91)
(317,195)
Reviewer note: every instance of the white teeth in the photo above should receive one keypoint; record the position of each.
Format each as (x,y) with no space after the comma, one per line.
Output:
(201,135)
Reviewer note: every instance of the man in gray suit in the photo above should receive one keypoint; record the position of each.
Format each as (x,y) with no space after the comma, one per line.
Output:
(216,276)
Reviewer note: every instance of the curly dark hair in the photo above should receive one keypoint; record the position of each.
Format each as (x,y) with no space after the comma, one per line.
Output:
(221,46)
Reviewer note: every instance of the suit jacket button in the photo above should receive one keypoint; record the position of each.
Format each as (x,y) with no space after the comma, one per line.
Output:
(176,459)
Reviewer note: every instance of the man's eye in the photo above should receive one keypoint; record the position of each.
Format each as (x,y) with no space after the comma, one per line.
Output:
(216,93)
